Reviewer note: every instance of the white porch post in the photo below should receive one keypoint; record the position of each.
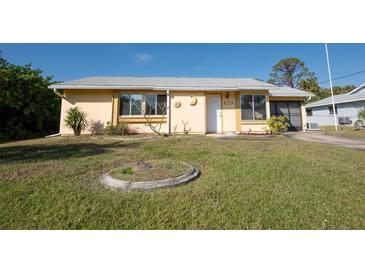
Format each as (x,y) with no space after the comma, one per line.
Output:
(168,112)
(267,105)
(304,116)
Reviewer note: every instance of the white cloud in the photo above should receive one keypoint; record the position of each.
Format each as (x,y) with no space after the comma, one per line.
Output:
(143,57)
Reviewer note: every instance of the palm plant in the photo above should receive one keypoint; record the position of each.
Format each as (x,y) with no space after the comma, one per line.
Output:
(361,115)
(76,119)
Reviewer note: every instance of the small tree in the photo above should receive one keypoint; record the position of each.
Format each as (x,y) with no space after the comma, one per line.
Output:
(76,119)
(361,115)
(186,129)
(278,124)
(290,72)
(156,127)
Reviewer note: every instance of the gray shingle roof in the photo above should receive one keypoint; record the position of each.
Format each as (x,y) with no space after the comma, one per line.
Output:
(178,83)
(357,94)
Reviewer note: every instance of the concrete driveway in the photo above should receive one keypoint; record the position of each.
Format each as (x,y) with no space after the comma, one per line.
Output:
(319,137)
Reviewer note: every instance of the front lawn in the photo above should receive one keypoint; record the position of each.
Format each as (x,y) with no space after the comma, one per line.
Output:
(344,131)
(244,184)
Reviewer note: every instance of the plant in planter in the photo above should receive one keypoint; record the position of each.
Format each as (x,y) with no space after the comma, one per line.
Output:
(76,119)
(359,124)
(278,124)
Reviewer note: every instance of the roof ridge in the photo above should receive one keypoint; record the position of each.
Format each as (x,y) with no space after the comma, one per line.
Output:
(179,77)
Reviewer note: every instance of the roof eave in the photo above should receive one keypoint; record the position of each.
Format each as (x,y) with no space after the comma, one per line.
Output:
(290,95)
(58,86)
(330,103)
(272,92)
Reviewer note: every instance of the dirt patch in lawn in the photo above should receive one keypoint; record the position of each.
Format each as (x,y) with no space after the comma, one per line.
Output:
(150,171)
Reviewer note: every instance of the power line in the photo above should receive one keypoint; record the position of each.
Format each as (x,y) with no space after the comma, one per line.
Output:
(344,76)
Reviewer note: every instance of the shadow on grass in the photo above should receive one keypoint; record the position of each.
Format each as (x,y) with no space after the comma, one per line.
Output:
(57,151)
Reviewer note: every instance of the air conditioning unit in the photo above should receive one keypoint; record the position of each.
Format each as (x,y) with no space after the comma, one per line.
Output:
(312,126)
(344,120)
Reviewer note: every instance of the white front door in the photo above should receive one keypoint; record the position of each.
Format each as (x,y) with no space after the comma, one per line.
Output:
(214,113)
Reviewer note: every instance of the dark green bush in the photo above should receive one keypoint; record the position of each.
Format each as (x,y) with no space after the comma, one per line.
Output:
(127,170)
(28,109)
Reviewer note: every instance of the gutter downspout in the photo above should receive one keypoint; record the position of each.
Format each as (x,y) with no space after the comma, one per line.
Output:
(168,112)
(62,96)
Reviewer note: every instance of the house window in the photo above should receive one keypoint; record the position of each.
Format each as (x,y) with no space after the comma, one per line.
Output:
(253,107)
(132,104)
(309,112)
(156,104)
(330,108)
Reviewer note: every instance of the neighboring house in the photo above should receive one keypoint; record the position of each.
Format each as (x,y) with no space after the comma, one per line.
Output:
(347,107)
(205,104)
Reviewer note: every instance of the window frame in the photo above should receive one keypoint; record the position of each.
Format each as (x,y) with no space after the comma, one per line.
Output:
(253,107)
(130,105)
(143,104)
(309,112)
(157,105)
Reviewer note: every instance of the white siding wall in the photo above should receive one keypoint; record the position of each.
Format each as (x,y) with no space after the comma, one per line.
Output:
(322,116)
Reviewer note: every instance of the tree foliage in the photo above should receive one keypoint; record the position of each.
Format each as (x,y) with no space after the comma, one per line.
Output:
(28,109)
(290,72)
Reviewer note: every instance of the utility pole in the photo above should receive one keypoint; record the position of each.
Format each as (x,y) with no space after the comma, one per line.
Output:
(333,99)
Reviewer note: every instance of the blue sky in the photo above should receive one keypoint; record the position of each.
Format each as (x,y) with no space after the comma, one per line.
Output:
(73,61)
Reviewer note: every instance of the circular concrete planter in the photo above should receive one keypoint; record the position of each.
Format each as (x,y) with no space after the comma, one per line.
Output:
(109,181)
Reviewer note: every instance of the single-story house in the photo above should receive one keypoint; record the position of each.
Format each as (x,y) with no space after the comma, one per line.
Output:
(347,107)
(204,105)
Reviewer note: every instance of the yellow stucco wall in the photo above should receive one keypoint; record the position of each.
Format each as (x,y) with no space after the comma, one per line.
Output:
(96,103)
(139,124)
(193,115)
(142,128)
(255,127)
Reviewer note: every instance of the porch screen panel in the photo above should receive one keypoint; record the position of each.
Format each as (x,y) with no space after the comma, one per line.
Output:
(273,109)
(282,109)
(295,117)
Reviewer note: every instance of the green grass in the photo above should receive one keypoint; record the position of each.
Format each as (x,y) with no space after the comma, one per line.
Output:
(244,184)
(344,131)
(159,170)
